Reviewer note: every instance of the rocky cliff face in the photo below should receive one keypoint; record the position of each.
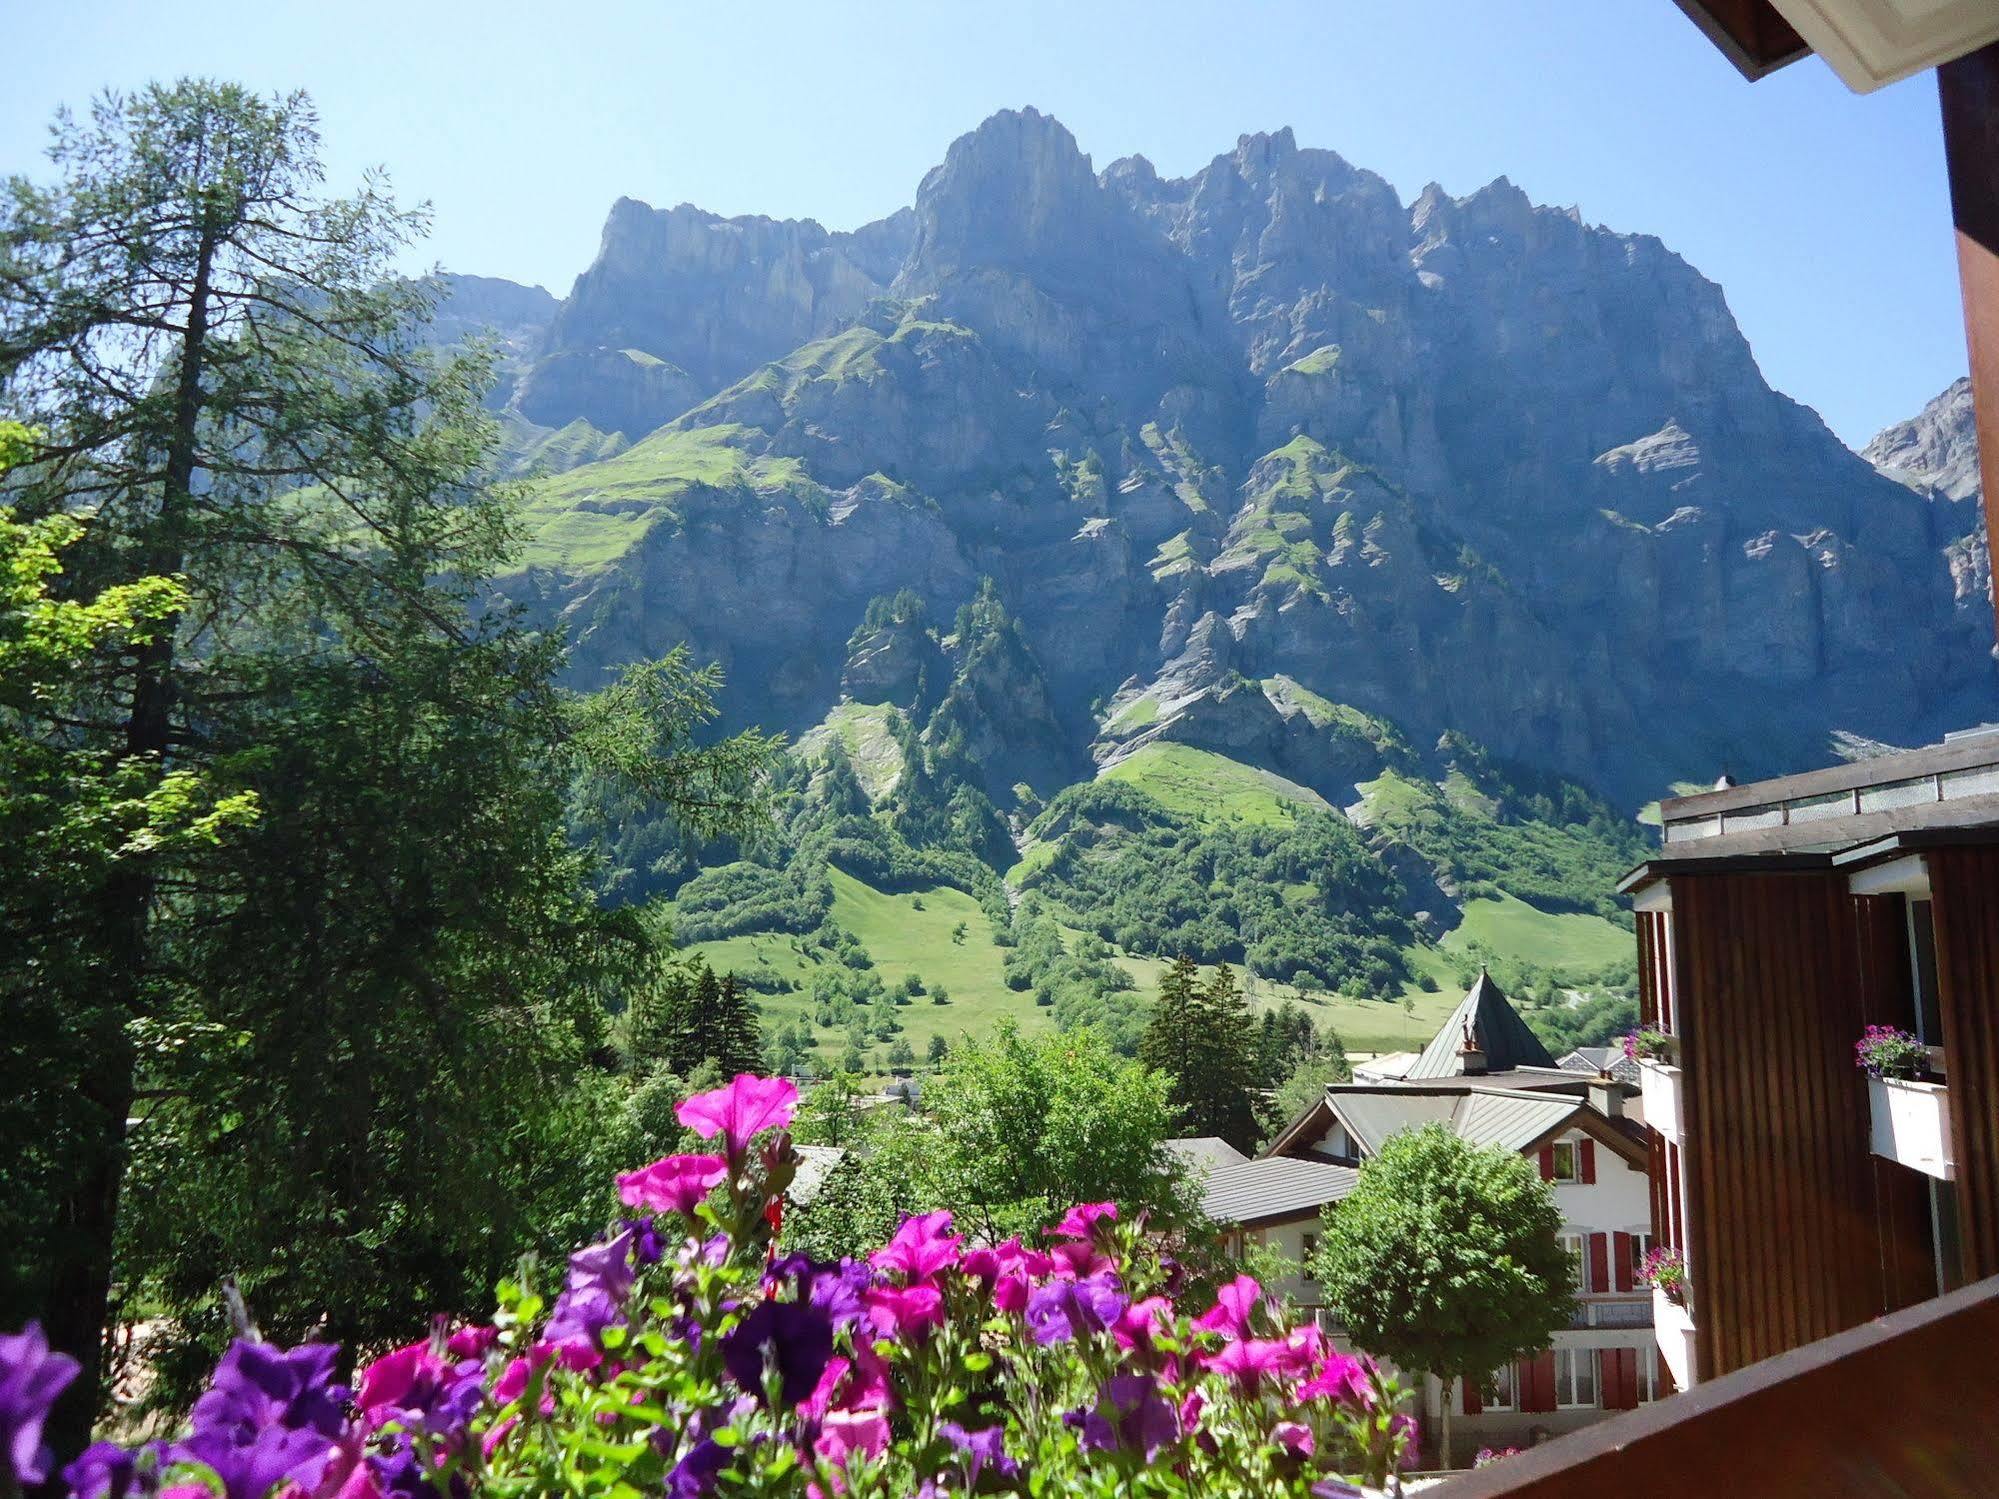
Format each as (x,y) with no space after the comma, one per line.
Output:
(1468,463)
(1935,453)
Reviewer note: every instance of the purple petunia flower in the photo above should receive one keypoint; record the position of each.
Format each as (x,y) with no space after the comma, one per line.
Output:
(1233,1305)
(1130,1416)
(1066,1309)
(417,1390)
(982,1449)
(249,1469)
(648,1243)
(694,1476)
(104,1470)
(32,1376)
(795,1337)
(260,1385)
(600,1279)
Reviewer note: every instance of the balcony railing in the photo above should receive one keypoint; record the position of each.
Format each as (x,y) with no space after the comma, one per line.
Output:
(1613,1311)
(1910,1124)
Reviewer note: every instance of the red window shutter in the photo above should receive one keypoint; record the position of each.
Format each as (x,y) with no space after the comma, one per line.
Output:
(1586,1157)
(1548,1162)
(1620,1378)
(1537,1383)
(1599,1262)
(1474,1402)
(1620,1261)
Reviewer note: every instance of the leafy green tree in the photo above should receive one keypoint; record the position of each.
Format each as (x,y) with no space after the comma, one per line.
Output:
(901,1056)
(386,991)
(939,1048)
(1444,1258)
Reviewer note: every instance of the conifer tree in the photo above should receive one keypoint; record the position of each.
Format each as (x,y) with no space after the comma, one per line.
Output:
(738,1036)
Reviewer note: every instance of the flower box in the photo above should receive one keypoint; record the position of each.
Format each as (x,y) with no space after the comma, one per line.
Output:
(1911,1124)
(1659,1089)
(1673,1326)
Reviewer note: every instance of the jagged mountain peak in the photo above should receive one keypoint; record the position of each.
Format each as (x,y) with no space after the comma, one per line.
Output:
(1935,449)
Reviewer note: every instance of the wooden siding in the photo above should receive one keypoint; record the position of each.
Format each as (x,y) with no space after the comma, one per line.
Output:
(1899,1407)
(1964,890)
(1780,1213)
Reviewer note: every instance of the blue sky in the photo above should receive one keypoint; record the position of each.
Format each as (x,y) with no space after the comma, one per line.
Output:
(1823,215)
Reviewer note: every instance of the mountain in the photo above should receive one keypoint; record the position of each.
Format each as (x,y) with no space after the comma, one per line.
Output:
(1464,464)
(1249,564)
(1935,453)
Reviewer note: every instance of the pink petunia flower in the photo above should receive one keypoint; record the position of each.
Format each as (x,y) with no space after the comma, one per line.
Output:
(675,1184)
(1341,1378)
(904,1311)
(1081,1221)
(1233,1305)
(922,1246)
(1247,1361)
(843,1433)
(740,1112)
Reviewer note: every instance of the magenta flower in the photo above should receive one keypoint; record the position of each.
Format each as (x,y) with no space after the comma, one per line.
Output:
(922,1246)
(843,1433)
(1295,1438)
(1342,1379)
(740,1112)
(1081,1221)
(31,1378)
(1080,1260)
(1246,1362)
(1139,1322)
(1233,1305)
(676,1184)
(904,1311)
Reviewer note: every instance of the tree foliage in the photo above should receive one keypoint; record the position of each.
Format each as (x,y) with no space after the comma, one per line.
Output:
(1444,1258)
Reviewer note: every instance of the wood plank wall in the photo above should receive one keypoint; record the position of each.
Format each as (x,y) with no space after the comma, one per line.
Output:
(1780,1209)
(1964,890)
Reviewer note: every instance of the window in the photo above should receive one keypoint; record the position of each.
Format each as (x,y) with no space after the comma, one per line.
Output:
(1647,1375)
(1311,1248)
(1923,960)
(1566,1169)
(1573,1246)
(1505,1395)
(1641,1245)
(1575,1377)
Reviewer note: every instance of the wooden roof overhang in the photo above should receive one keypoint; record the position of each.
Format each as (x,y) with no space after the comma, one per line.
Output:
(1752,34)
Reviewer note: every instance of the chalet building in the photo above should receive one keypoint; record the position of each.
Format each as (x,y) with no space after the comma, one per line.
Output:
(1487,1077)
(1778,922)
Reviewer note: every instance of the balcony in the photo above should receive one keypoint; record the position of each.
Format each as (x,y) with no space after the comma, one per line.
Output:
(1612,1311)
(1659,1088)
(1911,1125)
(1673,1327)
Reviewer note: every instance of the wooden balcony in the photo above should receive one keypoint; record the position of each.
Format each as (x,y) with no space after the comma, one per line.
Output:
(1902,1405)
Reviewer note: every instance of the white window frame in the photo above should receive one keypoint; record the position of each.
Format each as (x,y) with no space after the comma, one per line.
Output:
(1505,1387)
(1577,1247)
(1641,1245)
(1572,1366)
(1648,1375)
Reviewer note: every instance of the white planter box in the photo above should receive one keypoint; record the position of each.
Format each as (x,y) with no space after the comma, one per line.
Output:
(1911,1124)
(1673,1326)
(1659,1090)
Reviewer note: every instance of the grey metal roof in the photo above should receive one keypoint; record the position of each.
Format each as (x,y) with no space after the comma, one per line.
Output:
(1373,1113)
(1274,1187)
(1205,1152)
(1485,1016)
(1509,1119)
(1597,1059)
(815,1164)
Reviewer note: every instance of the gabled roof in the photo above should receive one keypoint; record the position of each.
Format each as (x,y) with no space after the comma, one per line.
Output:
(1274,1187)
(1593,1060)
(1512,1120)
(1205,1153)
(1373,1112)
(1485,1017)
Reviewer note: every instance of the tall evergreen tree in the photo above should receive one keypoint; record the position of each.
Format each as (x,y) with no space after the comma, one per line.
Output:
(367,1016)
(738,1036)
(1202,1039)
(1167,1045)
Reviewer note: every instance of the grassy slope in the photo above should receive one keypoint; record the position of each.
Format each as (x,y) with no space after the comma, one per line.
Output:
(1211,788)
(866,733)
(901,939)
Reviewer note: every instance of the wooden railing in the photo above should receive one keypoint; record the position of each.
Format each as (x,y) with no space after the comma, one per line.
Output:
(1902,1406)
